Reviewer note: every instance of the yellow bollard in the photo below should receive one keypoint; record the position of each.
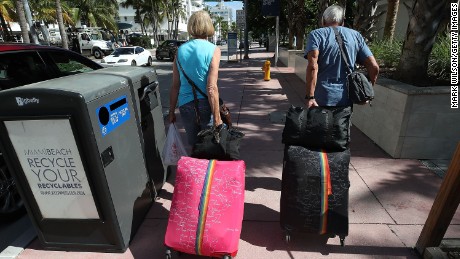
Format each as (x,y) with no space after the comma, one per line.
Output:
(266,69)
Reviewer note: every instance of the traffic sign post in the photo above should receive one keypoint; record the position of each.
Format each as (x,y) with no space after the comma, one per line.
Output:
(231,44)
(240,19)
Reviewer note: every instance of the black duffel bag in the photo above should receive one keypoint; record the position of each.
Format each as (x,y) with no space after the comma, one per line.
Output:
(218,143)
(326,128)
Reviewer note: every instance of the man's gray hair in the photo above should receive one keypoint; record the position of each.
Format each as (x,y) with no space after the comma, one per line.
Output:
(333,14)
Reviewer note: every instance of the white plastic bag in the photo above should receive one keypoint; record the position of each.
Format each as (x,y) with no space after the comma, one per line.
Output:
(173,148)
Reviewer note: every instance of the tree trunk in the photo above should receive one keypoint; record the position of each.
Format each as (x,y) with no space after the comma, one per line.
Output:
(390,22)
(297,21)
(291,39)
(64,40)
(22,21)
(291,22)
(426,18)
(300,39)
(322,5)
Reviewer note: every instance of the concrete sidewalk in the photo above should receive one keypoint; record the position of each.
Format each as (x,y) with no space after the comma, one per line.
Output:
(389,198)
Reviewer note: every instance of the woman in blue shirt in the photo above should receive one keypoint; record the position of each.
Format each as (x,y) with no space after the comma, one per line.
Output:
(200,61)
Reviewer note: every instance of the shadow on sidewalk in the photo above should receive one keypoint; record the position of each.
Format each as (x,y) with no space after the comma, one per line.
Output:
(271,236)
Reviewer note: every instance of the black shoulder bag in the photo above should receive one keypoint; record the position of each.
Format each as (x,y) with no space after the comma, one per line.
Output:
(360,89)
(223,109)
(219,143)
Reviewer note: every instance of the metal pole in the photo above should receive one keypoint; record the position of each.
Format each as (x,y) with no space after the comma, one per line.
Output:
(246,42)
(277,40)
(241,54)
(29,21)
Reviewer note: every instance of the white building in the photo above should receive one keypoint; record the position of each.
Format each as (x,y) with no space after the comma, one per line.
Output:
(223,11)
(220,10)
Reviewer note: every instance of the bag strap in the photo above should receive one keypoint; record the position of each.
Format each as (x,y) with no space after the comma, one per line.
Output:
(190,81)
(195,97)
(339,39)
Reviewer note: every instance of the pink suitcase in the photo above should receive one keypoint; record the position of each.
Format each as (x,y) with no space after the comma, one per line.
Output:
(207,208)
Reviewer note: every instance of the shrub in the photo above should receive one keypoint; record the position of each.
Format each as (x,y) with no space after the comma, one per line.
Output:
(143,41)
(387,53)
(439,61)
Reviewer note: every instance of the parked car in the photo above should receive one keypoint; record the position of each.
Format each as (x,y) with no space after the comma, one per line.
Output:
(129,56)
(221,42)
(22,64)
(168,49)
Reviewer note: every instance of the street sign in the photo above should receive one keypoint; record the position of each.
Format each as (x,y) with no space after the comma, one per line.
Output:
(232,43)
(271,7)
(240,19)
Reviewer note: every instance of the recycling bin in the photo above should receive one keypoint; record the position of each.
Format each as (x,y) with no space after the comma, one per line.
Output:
(145,93)
(75,152)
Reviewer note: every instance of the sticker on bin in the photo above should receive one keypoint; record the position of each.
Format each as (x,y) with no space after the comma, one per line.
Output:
(113,114)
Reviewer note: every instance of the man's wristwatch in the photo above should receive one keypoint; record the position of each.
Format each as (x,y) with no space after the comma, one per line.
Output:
(309,97)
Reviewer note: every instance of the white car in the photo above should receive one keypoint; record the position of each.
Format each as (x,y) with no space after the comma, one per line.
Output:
(128,56)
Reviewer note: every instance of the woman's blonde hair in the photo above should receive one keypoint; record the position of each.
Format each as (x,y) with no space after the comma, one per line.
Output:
(200,25)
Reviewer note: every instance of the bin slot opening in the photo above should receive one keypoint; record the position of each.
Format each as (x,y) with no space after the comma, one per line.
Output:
(117,104)
(107,156)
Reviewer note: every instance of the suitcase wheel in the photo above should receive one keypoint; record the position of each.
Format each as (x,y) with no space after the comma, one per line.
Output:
(287,238)
(168,254)
(227,257)
(342,241)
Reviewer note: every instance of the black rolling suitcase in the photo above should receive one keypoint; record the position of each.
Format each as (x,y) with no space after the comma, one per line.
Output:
(314,194)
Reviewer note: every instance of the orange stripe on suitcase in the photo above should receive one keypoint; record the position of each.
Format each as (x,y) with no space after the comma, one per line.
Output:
(326,189)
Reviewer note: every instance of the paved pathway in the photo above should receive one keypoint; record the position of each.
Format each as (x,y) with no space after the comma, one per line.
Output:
(389,198)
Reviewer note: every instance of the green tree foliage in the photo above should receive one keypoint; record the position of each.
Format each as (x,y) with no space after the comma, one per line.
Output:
(45,10)
(95,13)
(8,10)
(7,14)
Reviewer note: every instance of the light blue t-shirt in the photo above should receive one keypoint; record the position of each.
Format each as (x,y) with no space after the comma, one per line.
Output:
(195,57)
(330,86)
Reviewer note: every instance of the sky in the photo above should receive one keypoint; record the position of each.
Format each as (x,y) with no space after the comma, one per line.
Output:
(236,5)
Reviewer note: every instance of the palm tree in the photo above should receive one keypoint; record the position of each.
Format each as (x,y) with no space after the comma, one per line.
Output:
(225,29)
(390,22)
(136,4)
(218,24)
(179,14)
(233,27)
(425,19)
(22,20)
(158,14)
(7,12)
(174,11)
(52,11)
(59,16)
(7,9)
(46,11)
(95,13)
